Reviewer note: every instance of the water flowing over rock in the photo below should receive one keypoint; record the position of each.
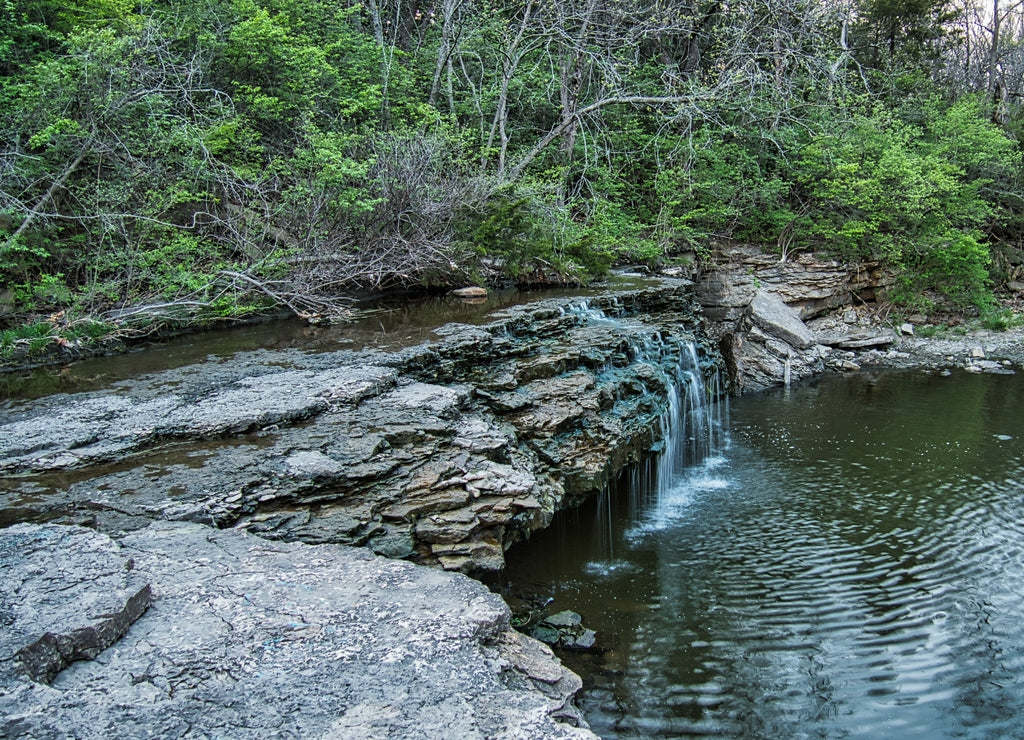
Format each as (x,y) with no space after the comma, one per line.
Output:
(444,453)
(182,623)
(249,638)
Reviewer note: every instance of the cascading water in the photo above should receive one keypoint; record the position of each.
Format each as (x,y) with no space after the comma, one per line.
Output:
(848,566)
(690,429)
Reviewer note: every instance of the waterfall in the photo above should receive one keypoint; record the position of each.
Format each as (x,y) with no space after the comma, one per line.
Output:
(691,427)
(690,430)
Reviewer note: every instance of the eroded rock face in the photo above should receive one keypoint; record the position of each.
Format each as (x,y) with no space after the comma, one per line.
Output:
(445,453)
(250,638)
(759,304)
(809,284)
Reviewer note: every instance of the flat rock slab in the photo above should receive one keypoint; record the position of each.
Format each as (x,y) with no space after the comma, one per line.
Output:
(68,431)
(66,595)
(859,340)
(770,313)
(250,638)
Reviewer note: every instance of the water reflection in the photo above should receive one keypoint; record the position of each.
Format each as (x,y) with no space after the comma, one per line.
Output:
(389,324)
(851,565)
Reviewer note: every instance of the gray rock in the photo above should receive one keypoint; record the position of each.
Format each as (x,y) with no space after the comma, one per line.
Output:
(871,341)
(810,284)
(397,451)
(770,313)
(565,629)
(586,640)
(249,638)
(67,594)
(564,620)
(64,432)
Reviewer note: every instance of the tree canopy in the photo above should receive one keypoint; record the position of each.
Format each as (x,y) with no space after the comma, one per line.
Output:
(212,158)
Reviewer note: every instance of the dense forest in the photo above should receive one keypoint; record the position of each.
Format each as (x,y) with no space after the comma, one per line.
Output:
(178,160)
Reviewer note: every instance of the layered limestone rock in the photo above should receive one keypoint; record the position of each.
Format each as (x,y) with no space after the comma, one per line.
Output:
(445,453)
(240,637)
(809,284)
(759,306)
(770,345)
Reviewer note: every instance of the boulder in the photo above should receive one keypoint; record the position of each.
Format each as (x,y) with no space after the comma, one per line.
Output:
(768,312)
(770,345)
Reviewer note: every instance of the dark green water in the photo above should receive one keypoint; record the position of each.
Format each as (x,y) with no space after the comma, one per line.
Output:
(849,564)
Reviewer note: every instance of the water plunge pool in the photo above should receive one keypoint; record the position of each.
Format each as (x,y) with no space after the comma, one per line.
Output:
(847,562)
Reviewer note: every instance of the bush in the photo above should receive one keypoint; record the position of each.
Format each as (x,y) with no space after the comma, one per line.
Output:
(883,188)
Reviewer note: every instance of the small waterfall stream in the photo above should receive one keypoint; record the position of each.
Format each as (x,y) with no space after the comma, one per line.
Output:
(691,434)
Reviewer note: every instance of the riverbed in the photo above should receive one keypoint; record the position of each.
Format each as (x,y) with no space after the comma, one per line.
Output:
(848,562)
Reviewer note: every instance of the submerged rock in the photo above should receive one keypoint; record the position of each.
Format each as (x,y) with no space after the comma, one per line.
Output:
(565,629)
(250,638)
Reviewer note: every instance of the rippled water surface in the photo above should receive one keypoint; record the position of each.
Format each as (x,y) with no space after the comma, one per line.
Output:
(849,564)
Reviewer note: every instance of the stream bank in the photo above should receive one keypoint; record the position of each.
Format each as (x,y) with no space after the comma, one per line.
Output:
(442,452)
(781,321)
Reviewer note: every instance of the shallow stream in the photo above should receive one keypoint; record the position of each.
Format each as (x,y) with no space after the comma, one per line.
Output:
(849,562)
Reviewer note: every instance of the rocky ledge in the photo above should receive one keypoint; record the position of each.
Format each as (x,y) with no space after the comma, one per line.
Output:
(444,453)
(182,631)
(778,321)
(164,616)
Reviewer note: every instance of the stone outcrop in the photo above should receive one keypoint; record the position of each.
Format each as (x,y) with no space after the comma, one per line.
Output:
(759,305)
(809,284)
(244,638)
(446,452)
(770,345)
(781,321)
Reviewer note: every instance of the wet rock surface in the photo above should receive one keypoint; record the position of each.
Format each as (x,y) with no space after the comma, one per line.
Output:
(244,637)
(565,629)
(445,452)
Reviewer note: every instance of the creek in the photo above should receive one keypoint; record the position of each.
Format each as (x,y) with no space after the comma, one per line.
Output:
(847,561)
(385,324)
(842,559)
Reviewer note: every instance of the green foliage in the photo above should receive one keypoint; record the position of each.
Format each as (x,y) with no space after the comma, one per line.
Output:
(612,232)
(18,259)
(35,338)
(534,240)
(996,318)
(723,188)
(930,330)
(152,147)
(911,194)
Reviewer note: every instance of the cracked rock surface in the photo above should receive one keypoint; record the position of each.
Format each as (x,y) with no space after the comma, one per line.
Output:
(445,453)
(245,638)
